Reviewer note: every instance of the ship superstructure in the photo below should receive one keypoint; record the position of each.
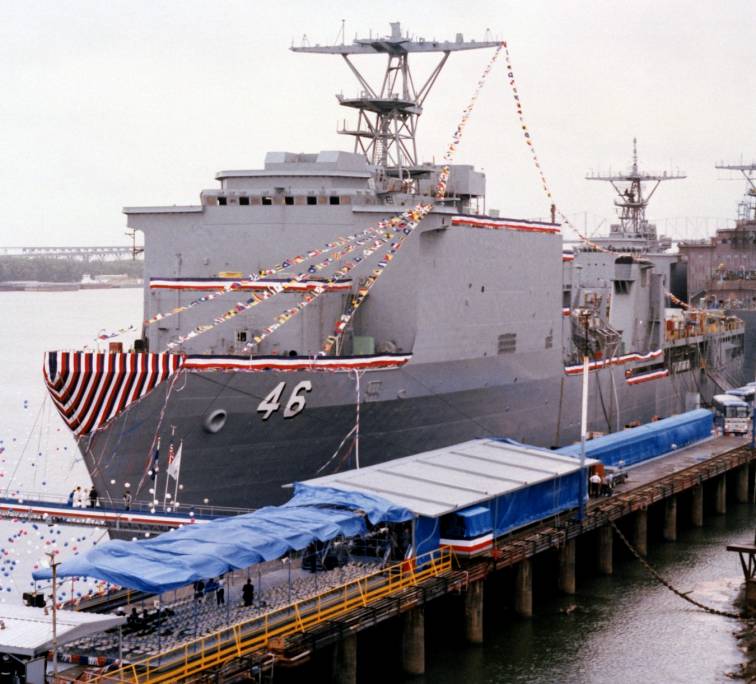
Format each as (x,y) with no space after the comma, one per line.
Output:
(627,289)
(471,331)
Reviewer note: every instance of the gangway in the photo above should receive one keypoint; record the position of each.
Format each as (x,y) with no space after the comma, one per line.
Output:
(141,516)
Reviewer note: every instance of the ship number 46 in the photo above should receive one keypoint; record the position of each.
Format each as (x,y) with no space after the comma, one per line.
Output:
(294,405)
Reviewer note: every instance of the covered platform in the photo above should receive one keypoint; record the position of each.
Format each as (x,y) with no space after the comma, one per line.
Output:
(26,637)
(468,494)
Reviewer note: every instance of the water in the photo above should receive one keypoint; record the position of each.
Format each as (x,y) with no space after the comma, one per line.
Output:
(625,628)
(38,453)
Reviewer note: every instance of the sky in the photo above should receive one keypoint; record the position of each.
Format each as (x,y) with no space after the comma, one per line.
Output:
(141,102)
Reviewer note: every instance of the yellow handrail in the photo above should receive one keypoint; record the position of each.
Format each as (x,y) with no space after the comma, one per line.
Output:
(254,634)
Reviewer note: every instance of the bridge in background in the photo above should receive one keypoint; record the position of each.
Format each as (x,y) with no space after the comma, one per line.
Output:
(83,253)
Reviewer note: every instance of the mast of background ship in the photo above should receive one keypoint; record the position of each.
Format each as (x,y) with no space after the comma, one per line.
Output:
(631,201)
(746,209)
(388,113)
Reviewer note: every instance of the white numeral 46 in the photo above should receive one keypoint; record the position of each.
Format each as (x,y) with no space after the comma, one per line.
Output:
(295,405)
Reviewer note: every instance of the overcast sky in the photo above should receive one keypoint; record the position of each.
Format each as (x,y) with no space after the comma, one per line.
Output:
(114,103)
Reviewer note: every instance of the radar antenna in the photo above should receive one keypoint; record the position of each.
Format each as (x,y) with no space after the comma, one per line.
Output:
(631,202)
(388,114)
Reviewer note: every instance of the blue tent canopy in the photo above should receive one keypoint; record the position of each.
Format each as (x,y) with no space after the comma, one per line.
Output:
(199,551)
(635,445)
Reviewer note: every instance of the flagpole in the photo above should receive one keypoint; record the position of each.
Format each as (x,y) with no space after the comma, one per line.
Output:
(178,473)
(156,472)
(165,491)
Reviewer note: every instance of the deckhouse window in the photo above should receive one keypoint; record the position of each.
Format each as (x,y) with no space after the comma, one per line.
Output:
(311,200)
(222,201)
(244,201)
(267,201)
(333,199)
(288,200)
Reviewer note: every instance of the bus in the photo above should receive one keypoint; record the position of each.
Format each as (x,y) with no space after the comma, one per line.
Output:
(747,393)
(731,414)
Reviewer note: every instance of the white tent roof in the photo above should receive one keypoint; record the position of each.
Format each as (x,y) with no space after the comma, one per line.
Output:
(437,482)
(27,631)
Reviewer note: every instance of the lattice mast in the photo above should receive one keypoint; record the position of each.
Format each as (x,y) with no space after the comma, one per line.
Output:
(747,208)
(631,201)
(388,112)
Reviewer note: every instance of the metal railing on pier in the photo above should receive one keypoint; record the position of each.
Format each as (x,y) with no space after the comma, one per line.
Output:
(257,634)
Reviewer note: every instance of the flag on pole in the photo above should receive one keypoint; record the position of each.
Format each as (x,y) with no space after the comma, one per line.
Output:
(155,461)
(174,463)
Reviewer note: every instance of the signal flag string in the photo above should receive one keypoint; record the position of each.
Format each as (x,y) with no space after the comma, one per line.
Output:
(414,216)
(263,273)
(440,190)
(276,288)
(536,161)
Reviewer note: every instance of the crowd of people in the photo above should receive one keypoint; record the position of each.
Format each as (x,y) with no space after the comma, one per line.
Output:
(218,587)
(82,498)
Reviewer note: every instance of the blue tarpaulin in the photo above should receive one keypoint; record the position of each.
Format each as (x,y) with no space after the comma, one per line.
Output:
(200,551)
(476,520)
(635,445)
(536,502)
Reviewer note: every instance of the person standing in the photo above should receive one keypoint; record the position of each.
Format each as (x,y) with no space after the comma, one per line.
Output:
(78,498)
(94,497)
(248,593)
(595,481)
(220,592)
(127,501)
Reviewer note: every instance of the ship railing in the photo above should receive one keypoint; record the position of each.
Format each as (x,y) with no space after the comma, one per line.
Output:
(257,635)
(135,506)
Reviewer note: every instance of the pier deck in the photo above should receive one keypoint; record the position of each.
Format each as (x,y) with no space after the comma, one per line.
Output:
(290,635)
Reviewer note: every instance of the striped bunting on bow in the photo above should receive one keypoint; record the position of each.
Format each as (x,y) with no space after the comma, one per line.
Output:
(90,388)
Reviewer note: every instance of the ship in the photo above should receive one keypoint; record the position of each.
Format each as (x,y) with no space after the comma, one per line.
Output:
(262,362)
(722,268)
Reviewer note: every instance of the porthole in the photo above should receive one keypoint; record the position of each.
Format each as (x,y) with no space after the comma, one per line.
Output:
(216,420)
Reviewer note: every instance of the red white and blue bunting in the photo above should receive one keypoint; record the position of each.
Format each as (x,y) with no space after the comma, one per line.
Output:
(89,388)
(614,361)
(646,377)
(505,224)
(283,363)
(216,284)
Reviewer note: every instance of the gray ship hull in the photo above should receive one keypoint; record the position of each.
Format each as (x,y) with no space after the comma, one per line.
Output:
(402,411)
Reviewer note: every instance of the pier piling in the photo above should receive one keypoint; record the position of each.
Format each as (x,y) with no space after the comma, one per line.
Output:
(696,506)
(567,567)
(741,484)
(605,550)
(474,613)
(720,495)
(670,519)
(413,641)
(640,532)
(345,660)
(524,589)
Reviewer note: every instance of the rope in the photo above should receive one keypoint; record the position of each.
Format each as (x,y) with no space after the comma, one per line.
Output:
(658,577)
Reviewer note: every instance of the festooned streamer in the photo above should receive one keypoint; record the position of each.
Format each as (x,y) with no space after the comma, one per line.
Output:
(276,288)
(528,137)
(409,222)
(237,284)
(440,190)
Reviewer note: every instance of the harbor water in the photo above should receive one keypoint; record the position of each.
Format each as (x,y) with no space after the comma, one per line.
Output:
(624,628)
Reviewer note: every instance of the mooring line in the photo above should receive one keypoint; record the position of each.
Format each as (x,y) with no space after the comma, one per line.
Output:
(656,575)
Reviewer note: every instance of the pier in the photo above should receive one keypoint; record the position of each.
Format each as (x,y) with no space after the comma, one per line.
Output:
(687,483)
